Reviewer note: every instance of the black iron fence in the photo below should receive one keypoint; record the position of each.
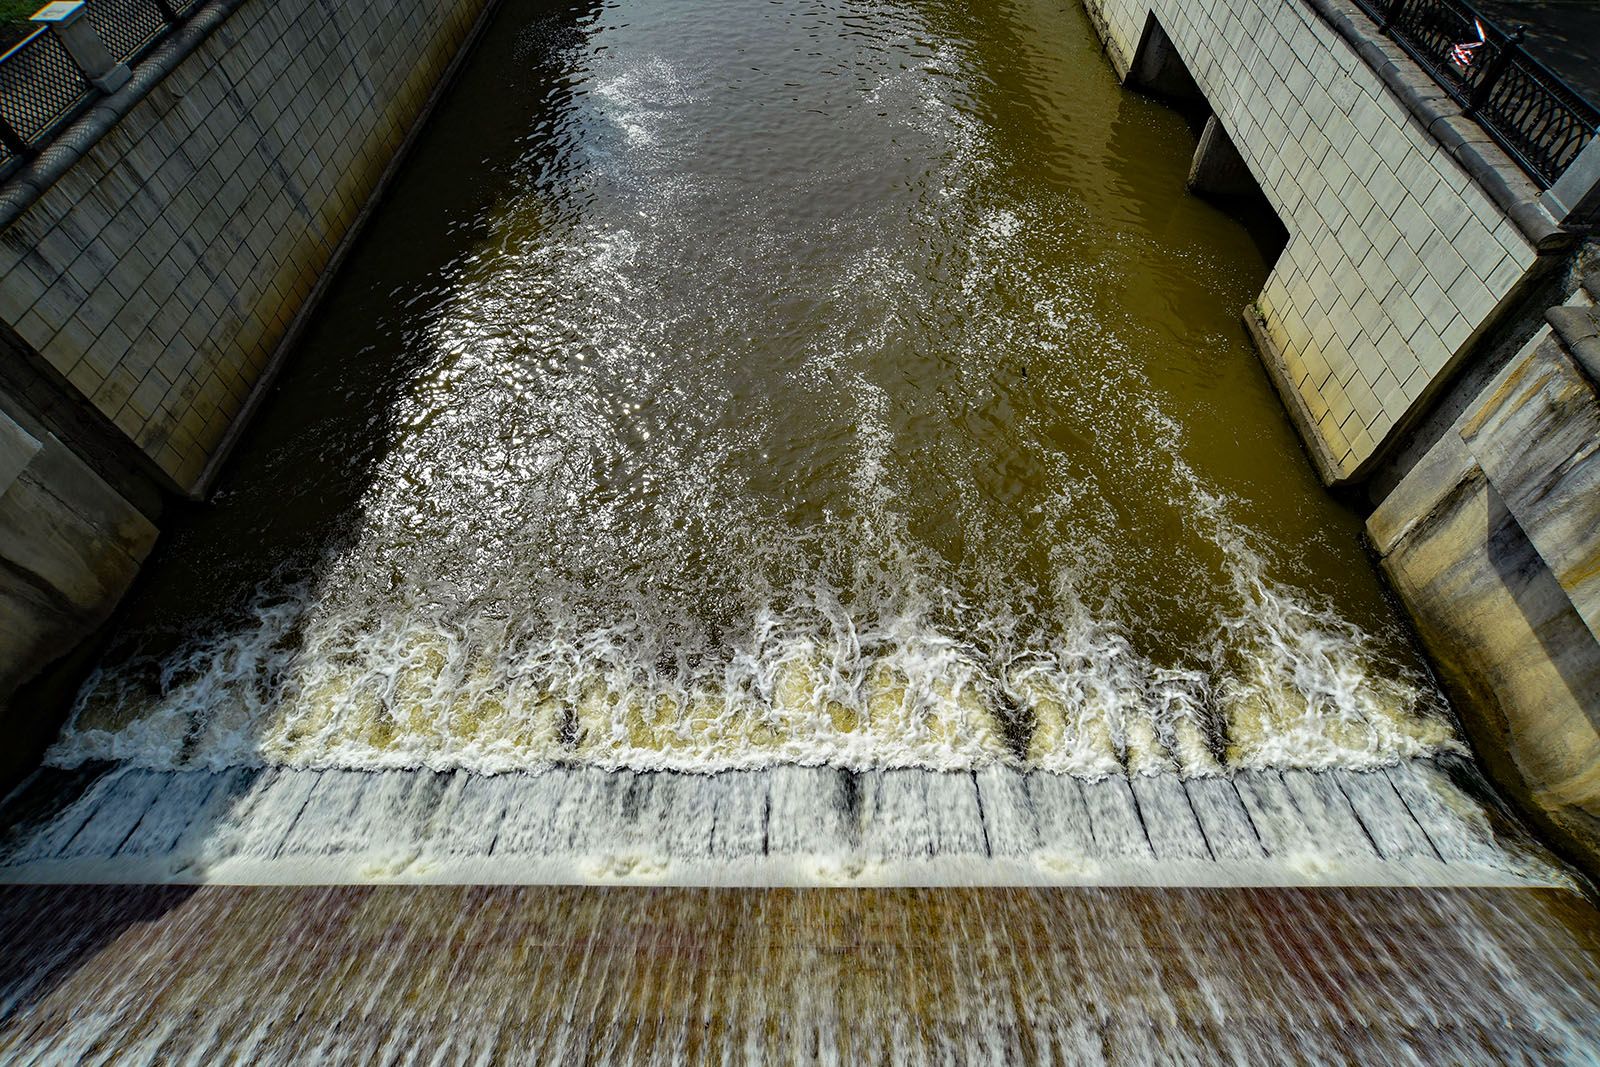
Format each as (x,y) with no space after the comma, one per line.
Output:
(41,87)
(1540,120)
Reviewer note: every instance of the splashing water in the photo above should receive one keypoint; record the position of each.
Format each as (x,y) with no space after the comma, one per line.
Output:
(770,417)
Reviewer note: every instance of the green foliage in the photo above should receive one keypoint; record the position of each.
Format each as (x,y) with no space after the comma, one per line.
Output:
(14,25)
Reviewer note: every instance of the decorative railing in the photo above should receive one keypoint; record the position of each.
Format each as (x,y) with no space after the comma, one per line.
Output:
(1540,120)
(44,85)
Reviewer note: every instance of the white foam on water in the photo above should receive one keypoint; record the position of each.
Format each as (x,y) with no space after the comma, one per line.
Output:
(558,561)
(814,682)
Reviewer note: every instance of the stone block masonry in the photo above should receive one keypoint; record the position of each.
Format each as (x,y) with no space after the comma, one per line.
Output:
(1408,238)
(156,260)
(160,271)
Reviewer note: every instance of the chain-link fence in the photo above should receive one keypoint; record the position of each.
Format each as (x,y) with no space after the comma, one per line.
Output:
(41,86)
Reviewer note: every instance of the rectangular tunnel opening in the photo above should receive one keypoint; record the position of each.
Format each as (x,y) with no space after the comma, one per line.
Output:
(1219,173)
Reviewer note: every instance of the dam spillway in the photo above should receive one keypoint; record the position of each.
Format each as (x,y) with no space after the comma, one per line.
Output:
(780,447)
(1408,825)
(876,406)
(974,976)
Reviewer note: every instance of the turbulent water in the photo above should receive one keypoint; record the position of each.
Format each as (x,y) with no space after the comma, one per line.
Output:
(727,385)
(737,384)
(959,977)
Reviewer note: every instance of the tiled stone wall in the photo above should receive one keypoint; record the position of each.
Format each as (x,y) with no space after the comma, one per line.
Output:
(159,272)
(1397,258)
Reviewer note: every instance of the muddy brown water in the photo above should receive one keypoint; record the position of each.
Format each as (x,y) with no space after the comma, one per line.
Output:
(732,383)
(834,409)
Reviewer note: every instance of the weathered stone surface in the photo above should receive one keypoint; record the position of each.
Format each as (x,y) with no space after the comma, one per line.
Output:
(1491,541)
(1576,194)
(1536,435)
(17,449)
(69,548)
(1579,330)
(1157,68)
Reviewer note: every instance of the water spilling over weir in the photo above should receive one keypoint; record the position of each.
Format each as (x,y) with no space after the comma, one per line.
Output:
(837,408)
(498,974)
(784,445)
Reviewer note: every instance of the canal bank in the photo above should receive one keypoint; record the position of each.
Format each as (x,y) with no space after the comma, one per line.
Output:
(159,254)
(1406,329)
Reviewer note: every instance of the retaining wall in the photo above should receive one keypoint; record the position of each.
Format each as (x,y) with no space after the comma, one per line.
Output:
(1409,232)
(154,260)
(158,273)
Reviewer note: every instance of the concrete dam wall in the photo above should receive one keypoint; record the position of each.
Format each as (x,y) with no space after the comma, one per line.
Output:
(1403,327)
(153,259)
(1493,540)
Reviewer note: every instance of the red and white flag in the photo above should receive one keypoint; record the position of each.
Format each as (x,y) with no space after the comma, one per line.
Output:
(1461,54)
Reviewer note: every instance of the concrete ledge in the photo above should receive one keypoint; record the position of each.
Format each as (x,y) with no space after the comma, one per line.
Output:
(1466,141)
(31,180)
(1579,330)
(31,391)
(1536,435)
